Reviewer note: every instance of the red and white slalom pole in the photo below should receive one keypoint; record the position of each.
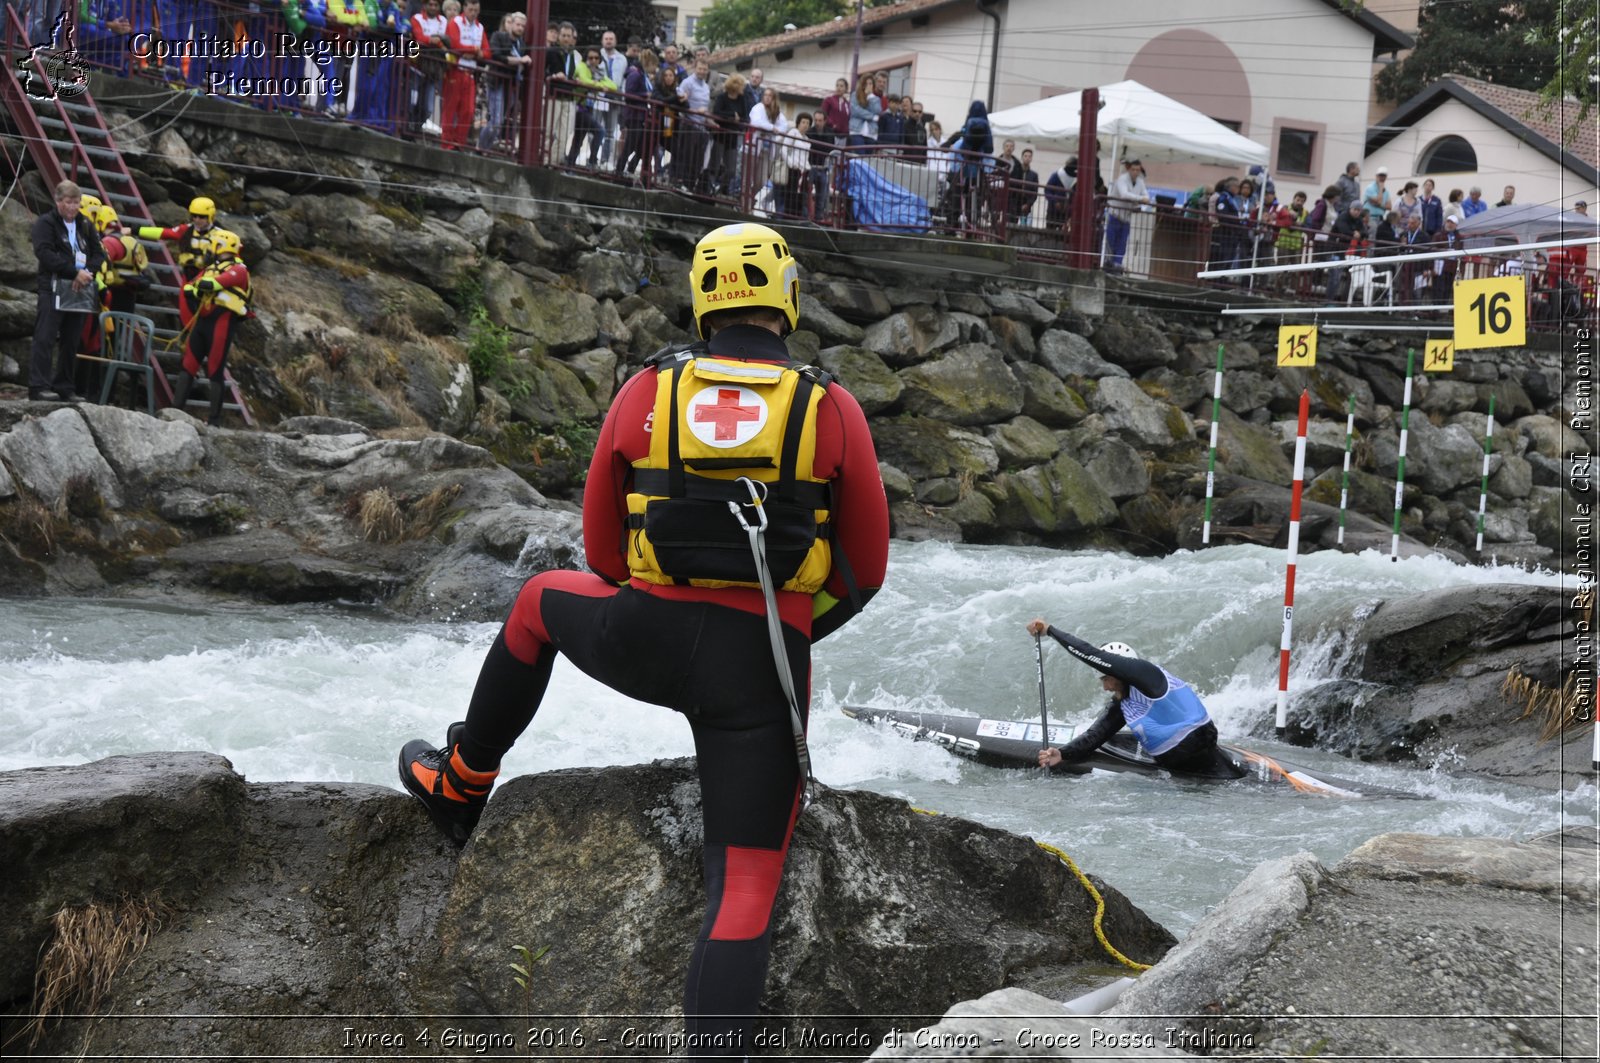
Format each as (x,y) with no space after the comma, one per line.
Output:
(1294,549)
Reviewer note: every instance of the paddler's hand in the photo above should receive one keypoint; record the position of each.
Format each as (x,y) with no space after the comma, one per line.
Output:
(1049,758)
(1037,627)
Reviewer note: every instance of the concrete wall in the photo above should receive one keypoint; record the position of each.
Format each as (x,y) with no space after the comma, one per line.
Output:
(1502,160)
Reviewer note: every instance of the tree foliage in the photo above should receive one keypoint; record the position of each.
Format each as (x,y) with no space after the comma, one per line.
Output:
(1575,41)
(729,22)
(1512,44)
(629,18)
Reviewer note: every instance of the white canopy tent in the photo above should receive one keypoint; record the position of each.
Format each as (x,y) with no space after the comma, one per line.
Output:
(1150,126)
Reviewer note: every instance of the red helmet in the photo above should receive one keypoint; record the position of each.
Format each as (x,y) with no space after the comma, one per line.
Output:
(115,249)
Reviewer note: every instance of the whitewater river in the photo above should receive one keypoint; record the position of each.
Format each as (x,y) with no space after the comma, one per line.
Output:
(331,694)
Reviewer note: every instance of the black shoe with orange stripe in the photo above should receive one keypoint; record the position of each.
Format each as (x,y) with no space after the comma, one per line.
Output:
(453,794)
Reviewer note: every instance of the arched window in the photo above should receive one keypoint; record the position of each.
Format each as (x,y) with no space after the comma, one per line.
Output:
(1448,155)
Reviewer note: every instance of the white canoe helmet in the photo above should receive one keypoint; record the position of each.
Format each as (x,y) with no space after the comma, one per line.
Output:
(1121,649)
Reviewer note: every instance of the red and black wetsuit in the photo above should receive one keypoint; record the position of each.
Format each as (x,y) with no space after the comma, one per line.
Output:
(706,653)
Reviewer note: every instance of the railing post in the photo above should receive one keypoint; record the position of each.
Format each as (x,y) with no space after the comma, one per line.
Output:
(530,148)
(1080,253)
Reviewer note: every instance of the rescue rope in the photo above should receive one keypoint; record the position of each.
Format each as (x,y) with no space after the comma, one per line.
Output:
(780,654)
(1099,901)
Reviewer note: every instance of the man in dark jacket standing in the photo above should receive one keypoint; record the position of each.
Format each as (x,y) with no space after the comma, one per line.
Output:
(69,251)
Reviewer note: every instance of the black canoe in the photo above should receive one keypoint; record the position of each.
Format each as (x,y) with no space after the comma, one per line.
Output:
(1016,744)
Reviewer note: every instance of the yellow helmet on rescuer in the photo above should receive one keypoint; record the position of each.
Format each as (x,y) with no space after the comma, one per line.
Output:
(105,217)
(88,203)
(224,242)
(741,266)
(203,206)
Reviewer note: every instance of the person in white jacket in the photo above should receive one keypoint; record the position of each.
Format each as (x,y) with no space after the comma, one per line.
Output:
(771,129)
(1128,193)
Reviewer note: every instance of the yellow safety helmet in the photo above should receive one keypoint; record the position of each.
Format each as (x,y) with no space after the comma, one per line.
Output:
(88,204)
(105,217)
(224,242)
(203,206)
(741,266)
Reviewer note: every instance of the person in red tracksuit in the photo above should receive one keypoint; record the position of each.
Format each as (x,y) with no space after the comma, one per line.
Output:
(696,448)
(220,295)
(193,242)
(467,43)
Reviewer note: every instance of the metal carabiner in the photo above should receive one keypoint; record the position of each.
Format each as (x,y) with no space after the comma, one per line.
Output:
(758,495)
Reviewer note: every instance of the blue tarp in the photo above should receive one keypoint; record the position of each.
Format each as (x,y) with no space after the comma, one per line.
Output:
(879,205)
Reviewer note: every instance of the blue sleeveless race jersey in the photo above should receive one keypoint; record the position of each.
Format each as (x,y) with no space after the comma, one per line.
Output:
(1163,722)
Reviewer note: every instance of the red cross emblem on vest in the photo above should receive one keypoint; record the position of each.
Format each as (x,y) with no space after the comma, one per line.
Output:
(724,414)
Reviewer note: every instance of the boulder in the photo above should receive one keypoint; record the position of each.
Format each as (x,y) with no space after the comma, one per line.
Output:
(970,385)
(1116,467)
(142,448)
(1249,451)
(863,304)
(1018,1024)
(18,266)
(18,311)
(916,523)
(1183,391)
(608,275)
(1447,396)
(273,566)
(48,452)
(1246,391)
(1510,400)
(973,513)
(1127,341)
(318,893)
(924,448)
(1548,436)
(546,392)
(1068,356)
(1007,302)
(558,320)
(1513,480)
(1304,954)
(897,486)
(650,331)
(1325,442)
(1053,499)
(1046,399)
(874,385)
(912,335)
(1014,339)
(1148,422)
(830,327)
(598,371)
(1022,441)
(438,388)
(1439,460)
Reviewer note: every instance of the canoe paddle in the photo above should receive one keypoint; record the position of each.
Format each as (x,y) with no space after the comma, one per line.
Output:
(1044,716)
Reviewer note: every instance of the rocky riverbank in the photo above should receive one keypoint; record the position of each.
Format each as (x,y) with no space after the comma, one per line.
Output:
(212,908)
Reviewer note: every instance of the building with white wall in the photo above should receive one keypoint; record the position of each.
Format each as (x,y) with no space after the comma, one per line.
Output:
(1463,132)
(1294,75)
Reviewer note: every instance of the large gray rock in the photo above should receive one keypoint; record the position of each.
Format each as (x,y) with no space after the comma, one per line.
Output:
(1046,398)
(1438,459)
(1325,442)
(1302,954)
(913,335)
(1053,499)
(851,300)
(547,392)
(874,385)
(1022,441)
(1250,451)
(439,388)
(1146,421)
(559,320)
(830,327)
(139,447)
(970,385)
(926,449)
(1550,437)
(1117,468)
(1019,307)
(1018,1024)
(319,893)
(1068,355)
(1132,343)
(46,453)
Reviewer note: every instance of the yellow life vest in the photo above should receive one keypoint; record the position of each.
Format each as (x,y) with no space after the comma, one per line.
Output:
(716,423)
(234,299)
(134,262)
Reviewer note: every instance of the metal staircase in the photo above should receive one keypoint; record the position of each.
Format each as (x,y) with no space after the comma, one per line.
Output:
(67,139)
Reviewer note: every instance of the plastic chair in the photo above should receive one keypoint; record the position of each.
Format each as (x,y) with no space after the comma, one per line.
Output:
(130,339)
(1369,281)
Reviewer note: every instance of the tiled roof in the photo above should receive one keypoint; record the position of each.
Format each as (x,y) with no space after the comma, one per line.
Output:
(1556,133)
(841,27)
(1557,124)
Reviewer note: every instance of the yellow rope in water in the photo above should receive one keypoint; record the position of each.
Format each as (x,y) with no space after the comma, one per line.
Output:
(1099,901)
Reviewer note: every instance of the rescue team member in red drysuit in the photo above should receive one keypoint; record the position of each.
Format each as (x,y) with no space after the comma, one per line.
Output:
(120,279)
(220,294)
(674,613)
(193,240)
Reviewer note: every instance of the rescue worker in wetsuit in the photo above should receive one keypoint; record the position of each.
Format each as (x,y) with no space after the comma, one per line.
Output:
(120,278)
(193,240)
(674,613)
(220,295)
(1162,711)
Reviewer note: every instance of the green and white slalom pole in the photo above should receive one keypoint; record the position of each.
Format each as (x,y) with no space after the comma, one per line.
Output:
(1483,489)
(1344,484)
(1294,549)
(1211,465)
(1400,473)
